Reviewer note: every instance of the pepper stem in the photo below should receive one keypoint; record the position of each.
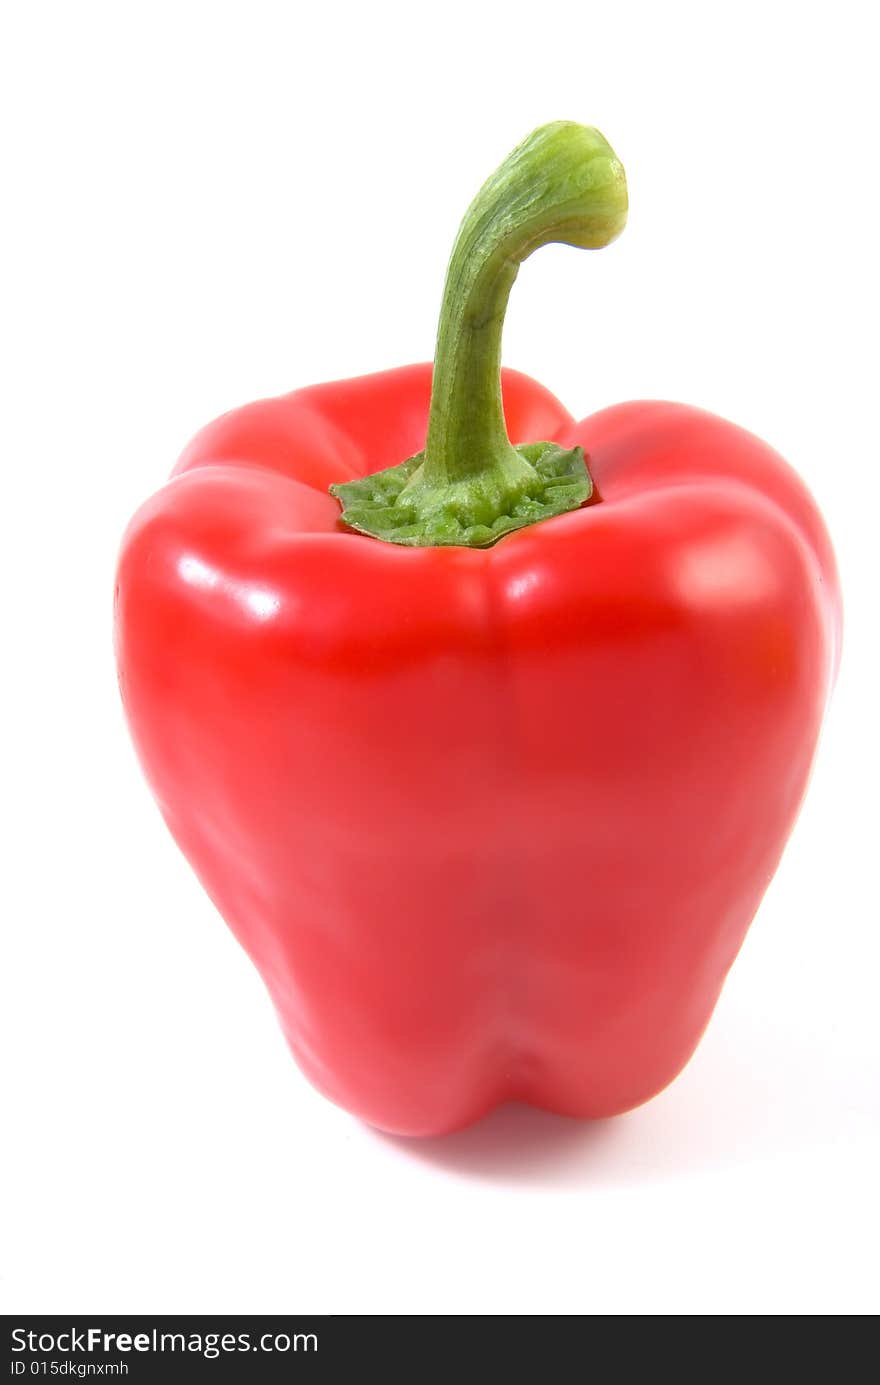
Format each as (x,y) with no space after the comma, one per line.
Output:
(471,485)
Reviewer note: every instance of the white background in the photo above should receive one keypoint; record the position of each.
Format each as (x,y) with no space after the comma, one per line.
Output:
(205,203)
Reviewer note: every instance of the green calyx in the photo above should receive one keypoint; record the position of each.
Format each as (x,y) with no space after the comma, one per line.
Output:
(470,485)
(401,506)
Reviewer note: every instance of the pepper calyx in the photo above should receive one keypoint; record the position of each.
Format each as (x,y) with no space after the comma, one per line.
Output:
(473,511)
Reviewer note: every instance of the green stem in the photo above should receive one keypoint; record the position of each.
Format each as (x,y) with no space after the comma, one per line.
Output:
(470,485)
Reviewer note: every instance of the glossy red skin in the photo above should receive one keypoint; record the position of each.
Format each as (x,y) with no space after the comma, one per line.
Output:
(492,824)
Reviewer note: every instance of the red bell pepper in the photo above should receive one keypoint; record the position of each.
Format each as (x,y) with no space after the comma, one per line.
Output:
(489,770)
